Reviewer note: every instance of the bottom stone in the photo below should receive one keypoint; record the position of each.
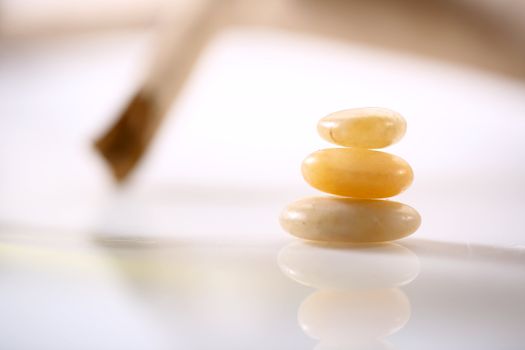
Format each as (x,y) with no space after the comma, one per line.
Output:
(333,219)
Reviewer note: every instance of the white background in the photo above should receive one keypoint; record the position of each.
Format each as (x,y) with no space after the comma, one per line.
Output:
(227,158)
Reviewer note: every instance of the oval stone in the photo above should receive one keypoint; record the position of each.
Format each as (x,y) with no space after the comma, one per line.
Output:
(357,172)
(363,127)
(349,220)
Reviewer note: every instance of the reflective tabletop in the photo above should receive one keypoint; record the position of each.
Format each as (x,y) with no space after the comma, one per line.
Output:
(99,292)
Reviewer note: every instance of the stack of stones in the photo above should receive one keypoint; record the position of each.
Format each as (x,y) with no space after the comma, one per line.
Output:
(360,177)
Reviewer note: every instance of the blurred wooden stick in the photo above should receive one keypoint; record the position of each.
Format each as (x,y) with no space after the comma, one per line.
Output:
(127,140)
(181,40)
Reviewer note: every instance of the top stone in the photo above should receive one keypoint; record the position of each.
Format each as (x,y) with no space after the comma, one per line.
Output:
(363,127)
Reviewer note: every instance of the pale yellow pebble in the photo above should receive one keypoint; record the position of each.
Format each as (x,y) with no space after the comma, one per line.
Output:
(357,172)
(363,127)
(348,316)
(332,219)
(344,266)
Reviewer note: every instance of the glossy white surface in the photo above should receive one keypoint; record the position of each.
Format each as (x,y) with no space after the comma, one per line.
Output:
(60,292)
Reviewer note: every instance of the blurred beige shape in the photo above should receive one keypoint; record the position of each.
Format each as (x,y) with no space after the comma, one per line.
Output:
(36,18)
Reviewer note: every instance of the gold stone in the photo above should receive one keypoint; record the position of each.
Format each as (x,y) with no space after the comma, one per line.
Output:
(363,127)
(357,172)
(332,219)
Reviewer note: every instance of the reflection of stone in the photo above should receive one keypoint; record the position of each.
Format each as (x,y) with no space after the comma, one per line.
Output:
(358,302)
(349,267)
(354,316)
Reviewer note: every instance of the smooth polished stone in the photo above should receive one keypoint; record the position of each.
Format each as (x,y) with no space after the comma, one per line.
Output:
(344,316)
(363,127)
(356,172)
(332,219)
(345,267)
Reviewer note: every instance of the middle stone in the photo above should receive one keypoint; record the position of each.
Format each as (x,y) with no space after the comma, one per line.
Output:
(356,172)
